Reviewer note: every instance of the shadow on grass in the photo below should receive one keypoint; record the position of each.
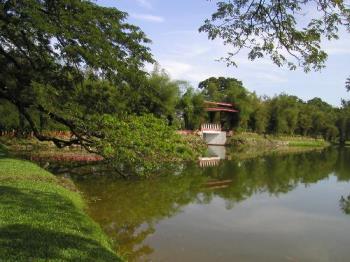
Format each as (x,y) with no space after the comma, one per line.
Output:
(41,225)
(26,243)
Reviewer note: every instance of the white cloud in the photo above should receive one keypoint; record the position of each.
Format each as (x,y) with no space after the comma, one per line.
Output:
(190,56)
(148,18)
(177,70)
(188,51)
(144,3)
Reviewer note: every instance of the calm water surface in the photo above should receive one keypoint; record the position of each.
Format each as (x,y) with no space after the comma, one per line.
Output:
(291,207)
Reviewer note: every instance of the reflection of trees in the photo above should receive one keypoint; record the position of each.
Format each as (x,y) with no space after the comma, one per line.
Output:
(343,164)
(129,210)
(345,204)
(132,238)
(273,174)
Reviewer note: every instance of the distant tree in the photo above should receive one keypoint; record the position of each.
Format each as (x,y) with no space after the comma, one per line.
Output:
(162,95)
(192,107)
(305,120)
(343,122)
(284,111)
(347,84)
(259,118)
(281,30)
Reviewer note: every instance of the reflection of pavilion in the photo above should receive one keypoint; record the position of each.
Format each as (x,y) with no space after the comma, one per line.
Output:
(212,133)
(218,184)
(216,153)
(209,161)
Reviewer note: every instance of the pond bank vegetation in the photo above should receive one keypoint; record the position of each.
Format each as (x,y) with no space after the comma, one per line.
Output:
(246,139)
(41,220)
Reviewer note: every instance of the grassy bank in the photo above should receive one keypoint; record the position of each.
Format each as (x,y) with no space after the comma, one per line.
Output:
(256,140)
(243,153)
(40,220)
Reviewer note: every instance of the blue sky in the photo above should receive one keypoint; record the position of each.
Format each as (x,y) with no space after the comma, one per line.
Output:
(188,55)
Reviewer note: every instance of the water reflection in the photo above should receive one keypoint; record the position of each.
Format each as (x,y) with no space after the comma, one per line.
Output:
(345,204)
(214,155)
(135,213)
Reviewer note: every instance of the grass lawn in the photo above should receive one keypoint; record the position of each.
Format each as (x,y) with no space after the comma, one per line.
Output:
(42,221)
(253,139)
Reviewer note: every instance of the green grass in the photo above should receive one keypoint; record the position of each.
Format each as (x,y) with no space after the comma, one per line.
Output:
(308,143)
(42,221)
(256,140)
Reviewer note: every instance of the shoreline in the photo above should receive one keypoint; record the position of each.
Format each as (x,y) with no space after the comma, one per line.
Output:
(43,218)
(274,141)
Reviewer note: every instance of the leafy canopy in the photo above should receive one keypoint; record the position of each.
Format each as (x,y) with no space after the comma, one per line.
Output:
(48,47)
(79,67)
(280,29)
(137,144)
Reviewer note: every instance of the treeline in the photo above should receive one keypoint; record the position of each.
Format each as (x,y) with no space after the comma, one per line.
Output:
(183,107)
(282,114)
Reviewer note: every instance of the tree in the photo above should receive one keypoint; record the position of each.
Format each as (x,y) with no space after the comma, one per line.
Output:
(45,49)
(9,119)
(259,118)
(162,96)
(137,144)
(343,122)
(79,65)
(274,29)
(284,111)
(305,120)
(347,84)
(192,107)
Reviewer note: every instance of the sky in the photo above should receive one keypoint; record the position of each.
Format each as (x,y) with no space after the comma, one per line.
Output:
(188,55)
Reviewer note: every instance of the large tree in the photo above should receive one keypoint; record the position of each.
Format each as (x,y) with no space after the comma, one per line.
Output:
(79,65)
(46,49)
(290,32)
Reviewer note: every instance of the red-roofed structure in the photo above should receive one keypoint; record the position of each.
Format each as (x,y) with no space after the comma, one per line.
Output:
(220,107)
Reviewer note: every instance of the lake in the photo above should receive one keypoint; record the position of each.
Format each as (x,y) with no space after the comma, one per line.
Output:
(275,207)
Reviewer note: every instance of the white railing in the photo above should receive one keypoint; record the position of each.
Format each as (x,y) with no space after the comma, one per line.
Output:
(210,127)
(208,162)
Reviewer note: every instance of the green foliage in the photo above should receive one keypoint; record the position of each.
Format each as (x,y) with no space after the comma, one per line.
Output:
(63,60)
(284,114)
(343,122)
(78,66)
(192,108)
(259,118)
(142,144)
(256,141)
(278,30)
(162,96)
(9,116)
(40,220)
(347,84)
(279,115)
